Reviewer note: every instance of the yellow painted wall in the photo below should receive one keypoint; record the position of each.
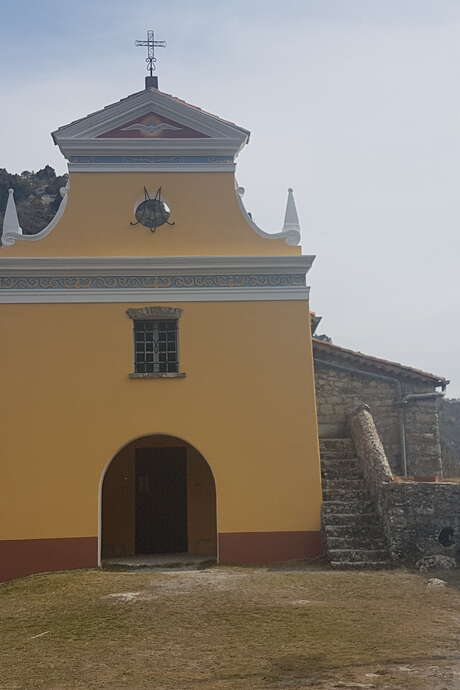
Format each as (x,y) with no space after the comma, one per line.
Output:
(118,507)
(201,506)
(208,220)
(67,407)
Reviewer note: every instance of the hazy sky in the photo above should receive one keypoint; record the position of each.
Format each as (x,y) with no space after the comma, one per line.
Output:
(354,103)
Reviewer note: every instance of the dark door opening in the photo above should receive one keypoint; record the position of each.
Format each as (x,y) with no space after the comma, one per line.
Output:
(161,500)
(158,497)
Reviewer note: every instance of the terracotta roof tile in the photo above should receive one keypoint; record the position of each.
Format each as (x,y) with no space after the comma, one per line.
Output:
(378,363)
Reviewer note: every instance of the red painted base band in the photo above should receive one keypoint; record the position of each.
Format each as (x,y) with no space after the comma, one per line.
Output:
(26,556)
(258,548)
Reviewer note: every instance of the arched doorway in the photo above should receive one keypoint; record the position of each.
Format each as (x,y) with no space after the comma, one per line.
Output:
(158,497)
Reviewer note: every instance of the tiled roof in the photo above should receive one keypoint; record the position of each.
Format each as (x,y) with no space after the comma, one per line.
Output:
(384,366)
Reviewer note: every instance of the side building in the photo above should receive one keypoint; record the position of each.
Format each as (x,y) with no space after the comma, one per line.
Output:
(404,403)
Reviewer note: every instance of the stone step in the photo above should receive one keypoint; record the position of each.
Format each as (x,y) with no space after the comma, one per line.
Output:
(331,460)
(327,476)
(358,555)
(345,469)
(344,519)
(364,565)
(355,496)
(331,430)
(343,485)
(351,505)
(337,456)
(331,448)
(356,543)
(343,531)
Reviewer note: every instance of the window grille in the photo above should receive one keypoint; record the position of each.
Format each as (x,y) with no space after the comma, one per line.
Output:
(155,343)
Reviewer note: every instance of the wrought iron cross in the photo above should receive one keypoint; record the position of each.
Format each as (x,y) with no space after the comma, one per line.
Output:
(151,44)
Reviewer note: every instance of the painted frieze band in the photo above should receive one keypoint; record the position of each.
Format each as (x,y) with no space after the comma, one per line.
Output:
(153,279)
(150,159)
(165,163)
(156,282)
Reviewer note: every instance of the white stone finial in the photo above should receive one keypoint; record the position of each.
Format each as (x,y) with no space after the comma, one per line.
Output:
(291,220)
(11,227)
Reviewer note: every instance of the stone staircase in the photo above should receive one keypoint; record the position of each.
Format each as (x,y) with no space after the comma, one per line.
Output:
(352,531)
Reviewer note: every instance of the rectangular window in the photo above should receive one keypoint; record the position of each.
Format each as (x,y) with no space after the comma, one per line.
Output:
(155,343)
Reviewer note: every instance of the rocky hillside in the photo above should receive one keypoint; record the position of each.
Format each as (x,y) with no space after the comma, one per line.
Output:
(449,424)
(37,197)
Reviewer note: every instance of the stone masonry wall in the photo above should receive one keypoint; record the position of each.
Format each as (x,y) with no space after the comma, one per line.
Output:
(423,445)
(414,516)
(419,518)
(370,451)
(449,429)
(339,392)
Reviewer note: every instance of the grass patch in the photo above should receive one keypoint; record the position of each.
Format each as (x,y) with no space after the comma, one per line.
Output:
(220,628)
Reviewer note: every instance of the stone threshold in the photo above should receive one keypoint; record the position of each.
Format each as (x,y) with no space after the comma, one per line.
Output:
(159,561)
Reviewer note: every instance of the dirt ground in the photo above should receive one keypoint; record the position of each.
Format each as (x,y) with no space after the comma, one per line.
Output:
(229,628)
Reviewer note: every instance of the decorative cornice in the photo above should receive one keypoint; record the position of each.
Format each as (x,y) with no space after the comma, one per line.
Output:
(147,167)
(135,163)
(161,279)
(154,160)
(150,313)
(150,147)
(160,265)
(272,294)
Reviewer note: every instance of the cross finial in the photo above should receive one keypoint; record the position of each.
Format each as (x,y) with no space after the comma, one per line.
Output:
(151,44)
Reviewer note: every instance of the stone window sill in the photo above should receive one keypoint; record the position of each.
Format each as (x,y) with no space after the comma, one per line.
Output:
(161,375)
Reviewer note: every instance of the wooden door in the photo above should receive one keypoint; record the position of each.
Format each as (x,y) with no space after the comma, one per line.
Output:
(161,500)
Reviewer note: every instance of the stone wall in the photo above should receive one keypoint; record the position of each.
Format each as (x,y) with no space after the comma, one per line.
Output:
(370,451)
(339,392)
(414,515)
(422,438)
(449,428)
(419,518)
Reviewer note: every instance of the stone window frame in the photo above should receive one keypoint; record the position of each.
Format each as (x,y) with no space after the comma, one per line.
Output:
(156,314)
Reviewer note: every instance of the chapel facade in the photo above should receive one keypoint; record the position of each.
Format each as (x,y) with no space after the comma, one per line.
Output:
(157,369)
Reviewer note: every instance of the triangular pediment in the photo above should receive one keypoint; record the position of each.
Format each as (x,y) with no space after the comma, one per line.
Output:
(151,130)
(152,126)
(154,103)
